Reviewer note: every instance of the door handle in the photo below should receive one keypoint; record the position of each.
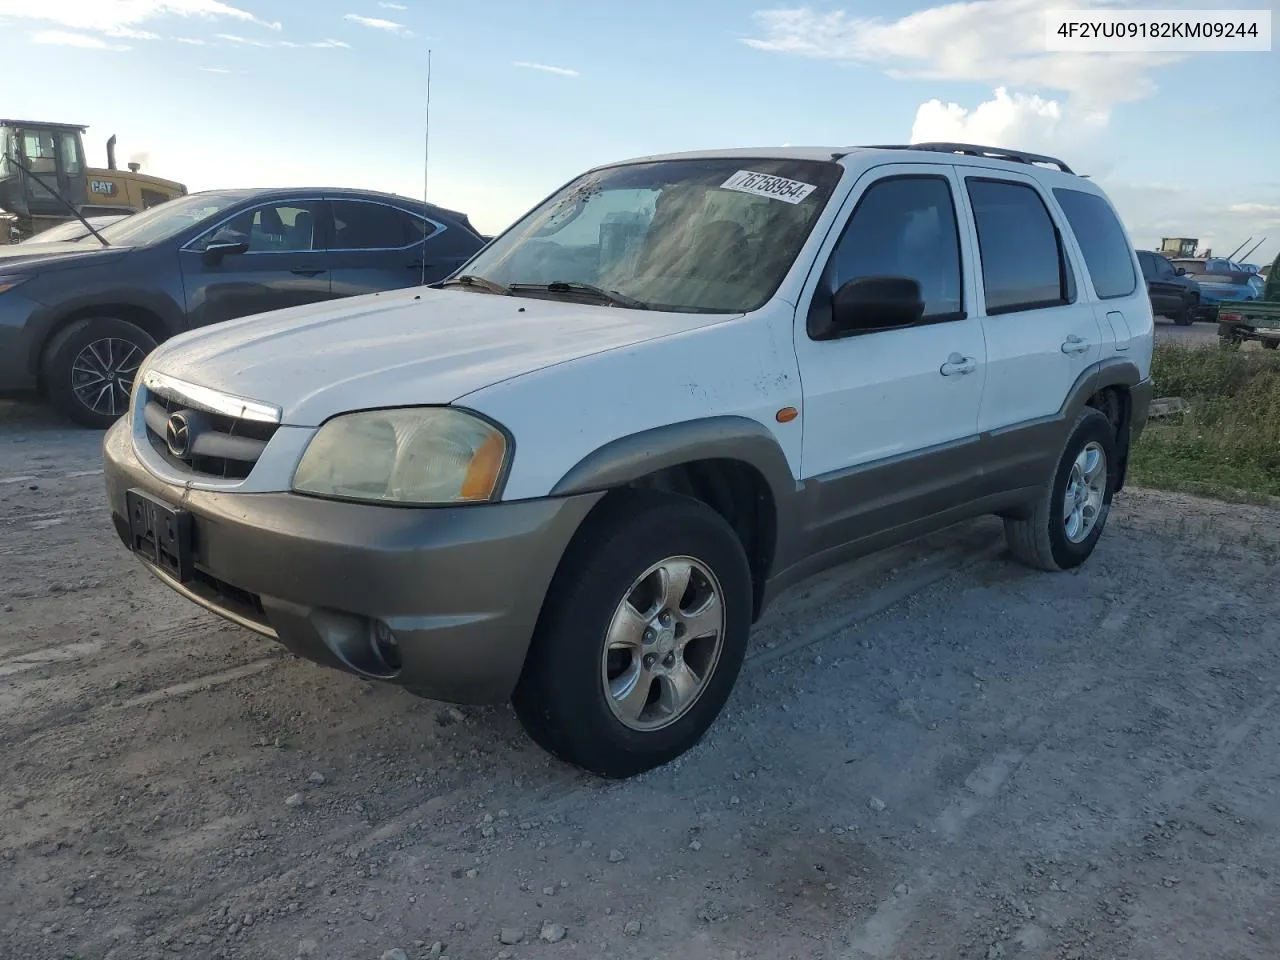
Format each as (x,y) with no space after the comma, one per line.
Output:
(418,265)
(957,365)
(308,271)
(1074,344)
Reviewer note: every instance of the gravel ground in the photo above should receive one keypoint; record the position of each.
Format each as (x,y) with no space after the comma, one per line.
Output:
(1198,334)
(933,753)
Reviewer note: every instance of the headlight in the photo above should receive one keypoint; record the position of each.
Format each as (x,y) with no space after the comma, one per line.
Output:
(422,455)
(8,283)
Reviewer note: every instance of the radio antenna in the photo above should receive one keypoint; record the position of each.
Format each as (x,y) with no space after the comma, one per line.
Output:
(426,157)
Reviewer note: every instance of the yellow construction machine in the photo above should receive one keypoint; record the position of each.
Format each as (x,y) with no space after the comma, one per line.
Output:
(45,180)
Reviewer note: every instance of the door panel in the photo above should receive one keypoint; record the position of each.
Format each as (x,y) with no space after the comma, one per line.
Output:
(285,264)
(380,247)
(877,398)
(1040,332)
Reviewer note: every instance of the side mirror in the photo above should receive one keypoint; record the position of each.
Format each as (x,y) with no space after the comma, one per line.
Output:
(876,303)
(1181,271)
(220,248)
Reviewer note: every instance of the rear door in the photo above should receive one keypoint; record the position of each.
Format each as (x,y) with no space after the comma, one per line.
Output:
(285,264)
(1041,333)
(379,246)
(1116,286)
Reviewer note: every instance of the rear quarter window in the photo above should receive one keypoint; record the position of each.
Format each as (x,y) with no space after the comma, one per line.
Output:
(1102,241)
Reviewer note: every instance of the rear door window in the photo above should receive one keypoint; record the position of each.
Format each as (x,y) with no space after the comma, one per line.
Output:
(1023,264)
(359,225)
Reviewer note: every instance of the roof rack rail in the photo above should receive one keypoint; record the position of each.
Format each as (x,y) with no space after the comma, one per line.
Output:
(977,150)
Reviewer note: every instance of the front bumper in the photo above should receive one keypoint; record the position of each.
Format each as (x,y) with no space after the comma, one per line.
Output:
(459,588)
(16,342)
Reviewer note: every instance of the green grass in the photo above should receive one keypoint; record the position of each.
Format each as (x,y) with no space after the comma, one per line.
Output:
(1228,444)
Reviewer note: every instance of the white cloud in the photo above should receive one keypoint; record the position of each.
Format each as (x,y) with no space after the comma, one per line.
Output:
(377,23)
(214,70)
(129,33)
(105,16)
(392,6)
(546,68)
(317,45)
(192,41)
(1266,210)
(64,38)
(241,41)
(1000,42)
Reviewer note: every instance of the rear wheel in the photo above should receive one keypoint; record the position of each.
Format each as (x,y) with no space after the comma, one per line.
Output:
(1071,510)
(1270,344)
(641,637)
(89,367)
(1186,316)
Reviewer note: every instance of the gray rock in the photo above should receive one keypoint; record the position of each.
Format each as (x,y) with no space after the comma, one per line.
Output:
(633,928)
(395,953)
(293,800)
(307,947)
(901,890)
(876,804)
(695,845)
(552,932)
(437,949)
(510,936)
(616,856)
(548,891)
(316,777)
(487,832)
(472,873)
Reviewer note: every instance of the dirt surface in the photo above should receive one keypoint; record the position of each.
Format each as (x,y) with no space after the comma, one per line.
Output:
(931,753)
(1198,334)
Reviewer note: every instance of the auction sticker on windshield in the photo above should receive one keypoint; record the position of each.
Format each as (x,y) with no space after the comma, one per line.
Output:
(767,185)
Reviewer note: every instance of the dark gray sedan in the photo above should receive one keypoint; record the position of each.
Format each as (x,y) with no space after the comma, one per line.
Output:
(77,319)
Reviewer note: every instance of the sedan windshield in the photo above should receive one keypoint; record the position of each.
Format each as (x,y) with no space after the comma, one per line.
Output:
(699,235)
(167,219)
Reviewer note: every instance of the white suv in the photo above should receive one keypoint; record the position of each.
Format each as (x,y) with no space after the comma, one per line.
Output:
(574,474)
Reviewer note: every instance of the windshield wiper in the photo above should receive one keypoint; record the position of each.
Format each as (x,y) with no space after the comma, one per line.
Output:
(59,197)
(573,286)
(477,283)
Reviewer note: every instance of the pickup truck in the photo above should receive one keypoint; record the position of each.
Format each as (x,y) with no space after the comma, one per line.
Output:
(1240,320)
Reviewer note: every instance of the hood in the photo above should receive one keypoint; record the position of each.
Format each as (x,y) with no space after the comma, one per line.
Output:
(418,346)
(41,257)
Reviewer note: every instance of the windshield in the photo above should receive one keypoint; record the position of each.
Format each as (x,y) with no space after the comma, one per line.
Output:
(167,219)
(706,236)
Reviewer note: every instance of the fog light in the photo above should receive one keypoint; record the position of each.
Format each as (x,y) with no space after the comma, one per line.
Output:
(383,645)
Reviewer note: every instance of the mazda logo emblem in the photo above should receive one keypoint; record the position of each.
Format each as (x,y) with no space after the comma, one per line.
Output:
(177,436)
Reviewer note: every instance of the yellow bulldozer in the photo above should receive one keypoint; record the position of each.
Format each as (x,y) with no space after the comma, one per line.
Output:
(45,180)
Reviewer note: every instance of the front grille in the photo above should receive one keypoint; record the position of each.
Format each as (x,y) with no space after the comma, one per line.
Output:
(220,446)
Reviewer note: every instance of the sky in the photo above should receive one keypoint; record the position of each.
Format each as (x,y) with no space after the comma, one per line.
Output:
(526,94)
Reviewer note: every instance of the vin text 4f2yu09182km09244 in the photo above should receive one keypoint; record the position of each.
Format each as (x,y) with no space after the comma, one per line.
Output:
(573,474)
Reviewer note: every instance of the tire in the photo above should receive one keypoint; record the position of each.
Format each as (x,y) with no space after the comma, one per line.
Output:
(1187,314)
(1041,539)
(1270,344)
(88,347)
(564,698)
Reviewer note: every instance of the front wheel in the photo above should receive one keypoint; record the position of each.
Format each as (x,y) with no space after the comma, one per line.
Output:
(1062,527)
(641,636)
(89,368)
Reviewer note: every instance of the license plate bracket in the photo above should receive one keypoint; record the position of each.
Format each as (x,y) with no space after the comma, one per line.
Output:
(160,534)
